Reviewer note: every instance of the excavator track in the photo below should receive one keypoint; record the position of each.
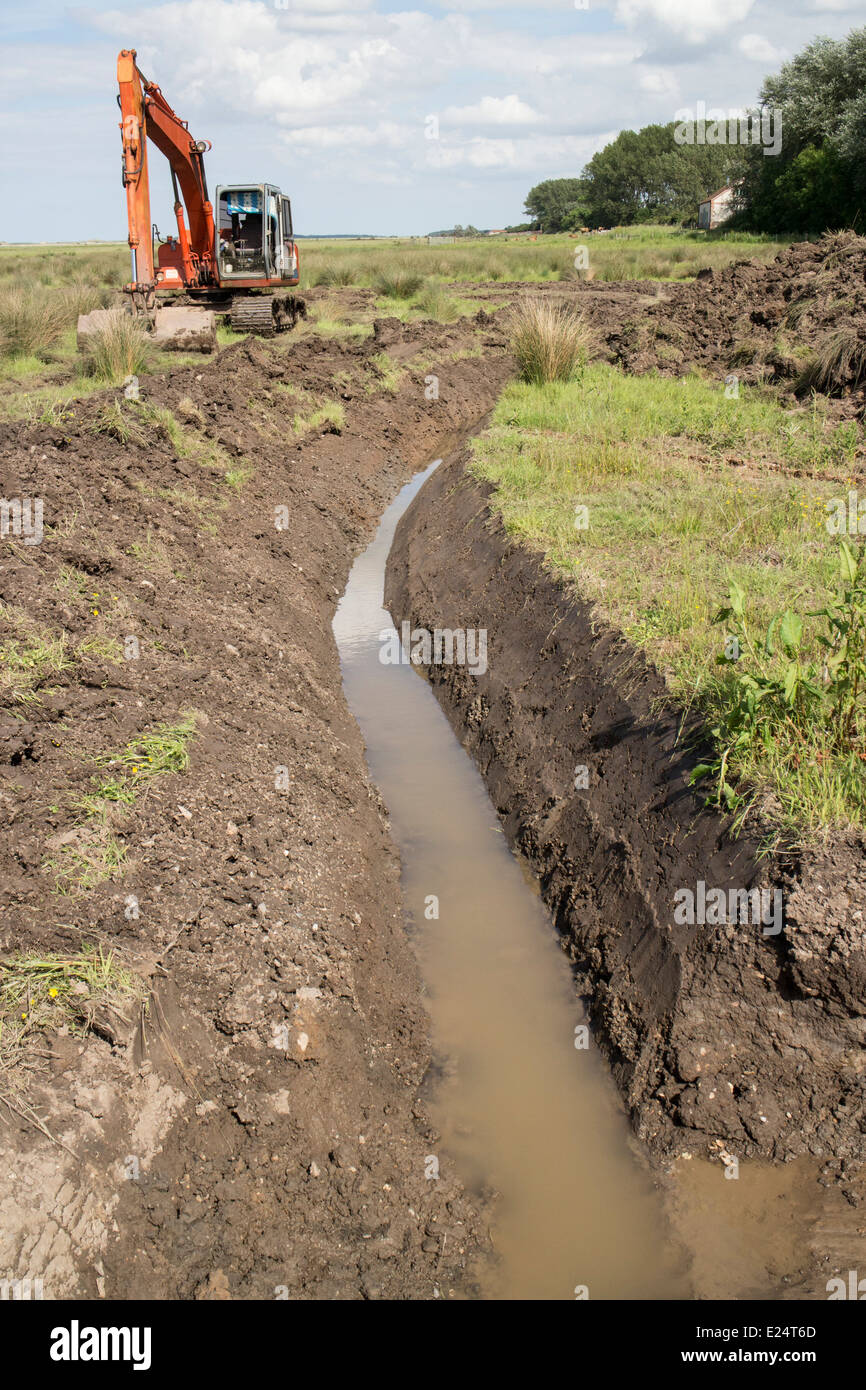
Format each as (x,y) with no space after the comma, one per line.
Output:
(254,315)
(266,315)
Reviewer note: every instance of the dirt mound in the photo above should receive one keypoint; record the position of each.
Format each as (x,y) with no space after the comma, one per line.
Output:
(799,321)
(260,1129)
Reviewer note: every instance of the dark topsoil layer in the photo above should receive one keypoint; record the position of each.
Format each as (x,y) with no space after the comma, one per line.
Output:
(261,1129)
(762,321)
(713,1032)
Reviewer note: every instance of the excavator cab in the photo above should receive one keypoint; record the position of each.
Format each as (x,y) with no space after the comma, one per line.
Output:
(255,244)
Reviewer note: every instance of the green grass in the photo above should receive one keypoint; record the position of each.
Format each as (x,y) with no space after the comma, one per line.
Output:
(43,291)
(95,853)
(158,753)
(632,253)
(127,422)
(387,375)
(397,281)
(75,995)
(669,523)
(100,647)
(96,857)
(622,409)
(117,349)
(120,424)
(308,411)
(434,302)
(325,319)
(237,478)
(30,656)
(327,413)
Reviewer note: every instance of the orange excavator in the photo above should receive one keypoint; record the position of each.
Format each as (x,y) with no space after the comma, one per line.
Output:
(235,257)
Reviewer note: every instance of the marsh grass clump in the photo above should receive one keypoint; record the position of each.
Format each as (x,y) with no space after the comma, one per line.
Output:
(838,361)
(398,282)
(550,341)
(339,275)
(118,349)
(435,303)
(32,320)
(113,420)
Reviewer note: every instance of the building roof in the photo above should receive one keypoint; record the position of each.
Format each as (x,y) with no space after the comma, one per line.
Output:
(728,188)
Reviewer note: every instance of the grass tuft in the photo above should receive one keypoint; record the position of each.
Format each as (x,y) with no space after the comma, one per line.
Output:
(838,361)
(118,349)
(89,992)
(434,302)
(398,282)
(32,320)
(551,342)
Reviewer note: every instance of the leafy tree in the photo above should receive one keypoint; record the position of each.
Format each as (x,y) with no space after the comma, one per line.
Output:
(818,180)
(645,176)
(549,203)
(641,176)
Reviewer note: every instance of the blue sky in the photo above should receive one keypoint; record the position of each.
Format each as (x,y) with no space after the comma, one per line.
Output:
(334,100)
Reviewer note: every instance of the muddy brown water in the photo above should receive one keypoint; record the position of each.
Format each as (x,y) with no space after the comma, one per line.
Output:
(523,1107)
(520,1107)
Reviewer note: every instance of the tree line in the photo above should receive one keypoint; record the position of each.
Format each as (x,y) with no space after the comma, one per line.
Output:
(797,160)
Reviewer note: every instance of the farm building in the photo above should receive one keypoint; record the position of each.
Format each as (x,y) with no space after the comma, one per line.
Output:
(717,208)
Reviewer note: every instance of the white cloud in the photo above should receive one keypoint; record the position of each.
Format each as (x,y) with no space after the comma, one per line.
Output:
(692,20)
(759,49)
(383,135)
(318,7)
(461,5)
(492,111)
(658,82)
(557,155)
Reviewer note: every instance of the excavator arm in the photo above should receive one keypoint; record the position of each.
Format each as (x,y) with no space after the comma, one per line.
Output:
(145,114)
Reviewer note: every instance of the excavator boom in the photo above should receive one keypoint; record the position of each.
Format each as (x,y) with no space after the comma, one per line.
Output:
(145,114)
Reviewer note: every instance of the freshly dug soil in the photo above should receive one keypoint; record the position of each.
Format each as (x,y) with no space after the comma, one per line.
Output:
(259,1133)
(761,321)
(713,1032)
